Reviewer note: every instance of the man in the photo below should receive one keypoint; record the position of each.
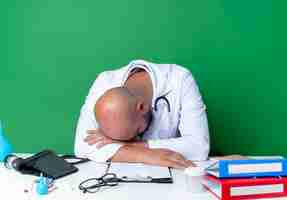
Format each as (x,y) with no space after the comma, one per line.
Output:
(144,112)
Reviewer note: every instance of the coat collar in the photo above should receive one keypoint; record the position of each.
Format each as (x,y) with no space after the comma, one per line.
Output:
(159,76)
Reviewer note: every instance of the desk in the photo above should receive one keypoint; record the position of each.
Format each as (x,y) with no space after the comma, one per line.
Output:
(12,185)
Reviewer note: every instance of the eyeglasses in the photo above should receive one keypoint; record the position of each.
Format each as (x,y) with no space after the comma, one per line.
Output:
(93,185)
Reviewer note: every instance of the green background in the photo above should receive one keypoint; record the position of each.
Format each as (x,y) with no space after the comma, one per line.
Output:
(51,52)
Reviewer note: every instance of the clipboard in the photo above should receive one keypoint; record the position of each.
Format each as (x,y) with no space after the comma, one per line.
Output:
(141,173)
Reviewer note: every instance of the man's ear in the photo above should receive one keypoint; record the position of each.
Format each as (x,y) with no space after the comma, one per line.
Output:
(141,106)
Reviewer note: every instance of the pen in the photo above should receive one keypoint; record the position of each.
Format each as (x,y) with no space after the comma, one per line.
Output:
(145,180)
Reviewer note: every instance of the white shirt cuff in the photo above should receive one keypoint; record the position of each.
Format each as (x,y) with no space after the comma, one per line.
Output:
(154,144)
(105,153)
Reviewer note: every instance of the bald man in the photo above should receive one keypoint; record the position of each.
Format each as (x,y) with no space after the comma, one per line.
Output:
(121,115)
(144,112)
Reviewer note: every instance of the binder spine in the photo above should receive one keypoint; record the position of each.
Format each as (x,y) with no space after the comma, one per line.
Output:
(225,173)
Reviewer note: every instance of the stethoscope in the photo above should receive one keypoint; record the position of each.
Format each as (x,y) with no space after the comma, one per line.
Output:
(162,98)
(155,109)
(158,98)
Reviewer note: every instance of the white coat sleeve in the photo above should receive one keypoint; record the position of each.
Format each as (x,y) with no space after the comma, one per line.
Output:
(193,125)
(87,121)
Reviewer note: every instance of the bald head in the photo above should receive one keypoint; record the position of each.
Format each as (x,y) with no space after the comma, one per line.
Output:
(115,111)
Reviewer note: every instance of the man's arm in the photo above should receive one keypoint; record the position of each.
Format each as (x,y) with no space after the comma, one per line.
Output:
(138,152)
(160,157)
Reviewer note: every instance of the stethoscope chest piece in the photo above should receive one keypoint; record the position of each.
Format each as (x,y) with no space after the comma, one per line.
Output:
(162,98)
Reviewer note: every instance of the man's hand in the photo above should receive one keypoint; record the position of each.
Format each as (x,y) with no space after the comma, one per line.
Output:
(159,157)
(98,138)
(166,158)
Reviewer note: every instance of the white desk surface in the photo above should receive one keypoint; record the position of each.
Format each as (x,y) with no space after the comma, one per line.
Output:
(13,184)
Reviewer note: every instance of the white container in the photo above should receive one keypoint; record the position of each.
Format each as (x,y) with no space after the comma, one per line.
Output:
(193,179)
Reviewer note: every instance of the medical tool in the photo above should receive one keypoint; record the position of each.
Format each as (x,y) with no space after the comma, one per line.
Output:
(166,101)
